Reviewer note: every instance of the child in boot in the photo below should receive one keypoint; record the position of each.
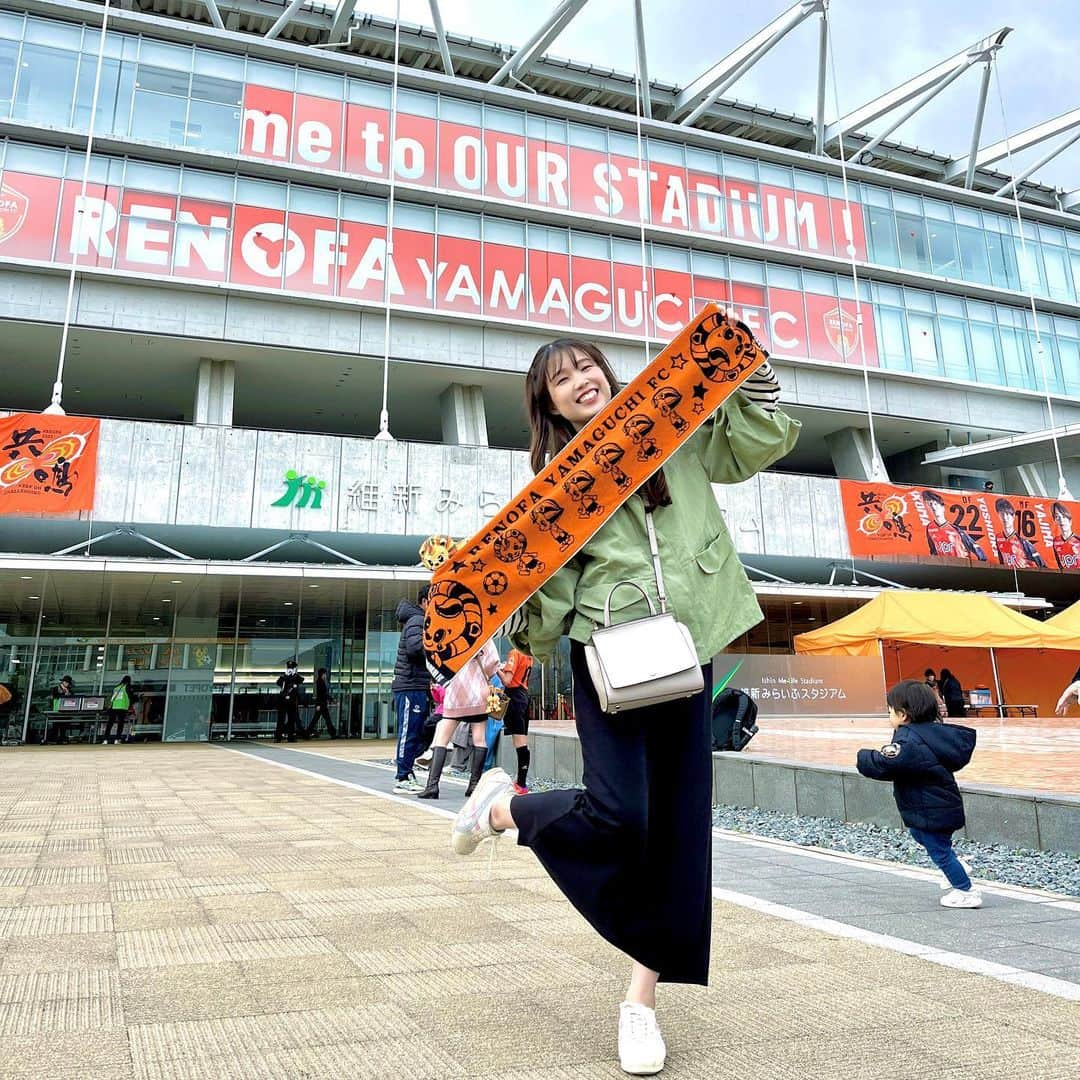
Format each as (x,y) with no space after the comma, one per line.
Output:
(466,700)
(920,762)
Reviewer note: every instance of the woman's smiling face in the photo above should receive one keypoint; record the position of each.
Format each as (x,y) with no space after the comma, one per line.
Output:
(577,387)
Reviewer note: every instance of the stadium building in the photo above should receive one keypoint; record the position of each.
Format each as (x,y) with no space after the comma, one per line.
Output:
(259,244)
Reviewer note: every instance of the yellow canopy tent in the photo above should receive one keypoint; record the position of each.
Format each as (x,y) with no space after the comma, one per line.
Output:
(952,620)
(959,620)
(1069,621)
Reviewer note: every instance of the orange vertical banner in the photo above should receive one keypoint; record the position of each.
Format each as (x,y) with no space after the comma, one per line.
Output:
(48,464)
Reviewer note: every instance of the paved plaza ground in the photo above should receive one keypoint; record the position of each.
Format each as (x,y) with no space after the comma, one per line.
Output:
(203,912)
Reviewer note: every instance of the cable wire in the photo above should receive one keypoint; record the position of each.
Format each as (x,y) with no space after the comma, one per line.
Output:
(877,468)
(388,261)
(644,193)
(56,405)
(1040,349)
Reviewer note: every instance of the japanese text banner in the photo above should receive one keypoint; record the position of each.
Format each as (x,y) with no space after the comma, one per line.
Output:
(1016,531)
(48,464)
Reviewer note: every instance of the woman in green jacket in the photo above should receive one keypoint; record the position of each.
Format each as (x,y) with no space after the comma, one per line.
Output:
(632,851)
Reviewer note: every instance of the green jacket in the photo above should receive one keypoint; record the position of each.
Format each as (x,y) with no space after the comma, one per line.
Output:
(707,588)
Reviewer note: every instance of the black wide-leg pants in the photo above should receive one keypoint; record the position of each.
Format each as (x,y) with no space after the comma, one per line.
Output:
(633,850)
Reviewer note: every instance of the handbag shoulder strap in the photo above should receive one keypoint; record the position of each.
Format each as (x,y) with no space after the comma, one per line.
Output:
(651,529)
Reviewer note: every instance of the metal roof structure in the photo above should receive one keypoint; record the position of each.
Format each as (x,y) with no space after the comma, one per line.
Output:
(701,104)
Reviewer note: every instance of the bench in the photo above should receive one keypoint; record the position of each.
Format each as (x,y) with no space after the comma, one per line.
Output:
(1001,711)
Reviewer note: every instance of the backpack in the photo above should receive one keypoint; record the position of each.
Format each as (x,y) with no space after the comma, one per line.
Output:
(518,668)
(120,699)
(734,720)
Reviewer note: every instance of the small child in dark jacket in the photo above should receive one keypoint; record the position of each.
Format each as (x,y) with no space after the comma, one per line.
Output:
(920,762)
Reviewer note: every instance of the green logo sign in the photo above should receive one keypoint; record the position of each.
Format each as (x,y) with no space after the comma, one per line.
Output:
(303,491)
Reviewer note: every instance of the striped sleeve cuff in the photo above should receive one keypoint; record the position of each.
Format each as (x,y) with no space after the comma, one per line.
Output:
(762,388)
(517,623)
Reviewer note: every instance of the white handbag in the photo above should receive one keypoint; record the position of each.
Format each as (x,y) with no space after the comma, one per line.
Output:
(644,661)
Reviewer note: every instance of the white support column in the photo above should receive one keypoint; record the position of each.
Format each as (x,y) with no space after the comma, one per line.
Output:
(1031,481)
(214,392)
(853,456)
(464,421)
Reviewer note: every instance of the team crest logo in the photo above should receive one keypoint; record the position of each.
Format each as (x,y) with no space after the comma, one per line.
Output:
(13,207)
(842,330)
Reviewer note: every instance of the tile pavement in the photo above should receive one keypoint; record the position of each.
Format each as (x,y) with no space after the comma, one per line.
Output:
(172,911)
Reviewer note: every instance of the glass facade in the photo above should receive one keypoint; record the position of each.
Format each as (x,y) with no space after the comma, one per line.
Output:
(916,330)
(203,652)
(192,97)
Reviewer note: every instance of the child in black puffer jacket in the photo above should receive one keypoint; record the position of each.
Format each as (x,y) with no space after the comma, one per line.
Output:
(920,762)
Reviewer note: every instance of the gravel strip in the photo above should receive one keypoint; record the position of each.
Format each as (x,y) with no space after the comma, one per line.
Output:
(1055,871)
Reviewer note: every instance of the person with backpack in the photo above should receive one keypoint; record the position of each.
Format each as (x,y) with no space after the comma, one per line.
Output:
(515,679)
(920,761)
(410,688)
(119,703)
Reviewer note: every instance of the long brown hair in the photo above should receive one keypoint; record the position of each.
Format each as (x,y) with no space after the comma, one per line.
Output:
(551,433)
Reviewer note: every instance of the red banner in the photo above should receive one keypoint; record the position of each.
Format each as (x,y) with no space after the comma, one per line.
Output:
(48,464)
(976,527)
(319,133)
(306,254)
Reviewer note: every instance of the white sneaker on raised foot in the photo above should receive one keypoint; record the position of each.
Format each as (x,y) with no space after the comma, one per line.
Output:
(641,1046)
(473,823)
(944,883)
(955,898)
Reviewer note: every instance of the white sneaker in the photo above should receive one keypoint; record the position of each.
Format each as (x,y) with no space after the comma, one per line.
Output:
(955,898)
(944,883)
(423,761)
(408,786)
(473,823)
(641,1047)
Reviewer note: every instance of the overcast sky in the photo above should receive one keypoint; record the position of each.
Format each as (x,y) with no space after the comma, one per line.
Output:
(877,45)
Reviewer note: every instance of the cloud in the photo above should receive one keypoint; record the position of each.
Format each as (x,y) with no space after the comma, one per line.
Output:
(876,46)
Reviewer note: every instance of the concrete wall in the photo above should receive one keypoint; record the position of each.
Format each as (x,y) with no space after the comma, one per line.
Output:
(994,815)
(219,477)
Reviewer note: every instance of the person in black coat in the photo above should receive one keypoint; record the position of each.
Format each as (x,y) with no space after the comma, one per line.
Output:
(953,693)
(410,688)
(288,720)
(322,706)
(920,762)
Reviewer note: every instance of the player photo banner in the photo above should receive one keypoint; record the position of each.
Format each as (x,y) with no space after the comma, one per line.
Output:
(1016,531)
(48,464)
(491,575)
